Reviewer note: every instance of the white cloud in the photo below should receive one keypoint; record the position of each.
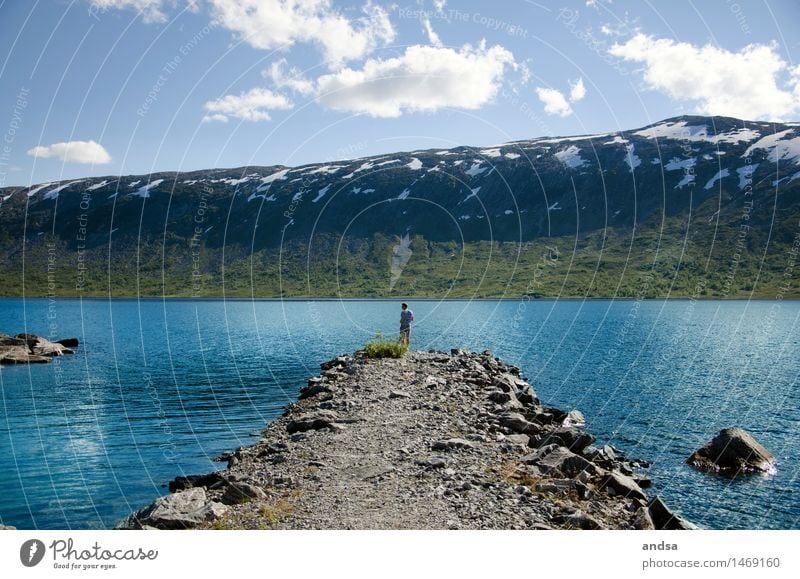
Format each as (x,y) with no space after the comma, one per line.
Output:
(555,103)
(423,78)
(439,5)
(151,10)
(89,152)
(576,90)
(252,105)
(291,78)
(271,24)
(433,38)
(743,84)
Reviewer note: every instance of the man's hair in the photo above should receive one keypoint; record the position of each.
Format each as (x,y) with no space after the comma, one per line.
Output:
(404,306)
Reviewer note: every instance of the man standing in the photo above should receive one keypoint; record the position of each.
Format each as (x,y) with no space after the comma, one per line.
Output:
(406,317)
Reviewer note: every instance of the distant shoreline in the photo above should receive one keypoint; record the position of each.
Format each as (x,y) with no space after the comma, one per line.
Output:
(397,299)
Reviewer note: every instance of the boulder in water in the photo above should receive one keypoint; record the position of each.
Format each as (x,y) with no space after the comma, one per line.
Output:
(731,452)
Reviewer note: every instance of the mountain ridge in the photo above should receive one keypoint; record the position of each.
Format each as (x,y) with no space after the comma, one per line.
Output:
(686,179)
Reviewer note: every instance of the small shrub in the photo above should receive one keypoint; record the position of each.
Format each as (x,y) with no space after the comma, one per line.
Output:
(379,347)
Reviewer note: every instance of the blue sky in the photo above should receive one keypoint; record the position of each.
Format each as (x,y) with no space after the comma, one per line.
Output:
(110,87)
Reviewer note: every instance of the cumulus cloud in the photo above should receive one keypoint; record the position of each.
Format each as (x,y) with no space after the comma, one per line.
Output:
(423,78)
(273,24)
(576,90)
(252,105)
(283,76)
(555,103)
(744,84)
(89,152)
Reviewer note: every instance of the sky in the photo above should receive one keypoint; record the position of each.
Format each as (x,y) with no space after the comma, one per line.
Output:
(121,87)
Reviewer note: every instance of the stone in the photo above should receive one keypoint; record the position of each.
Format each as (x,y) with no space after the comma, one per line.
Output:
(580,521)
(317,421)
(731,452)
(399,394)
(239,492)
(642,520)
(522,439)
(210,481)
(621,485)
(574,418)
(539,454)
(572,438)
(20,355)
(7,528)
(452,444)
(435,462)
(666,520)
(517,423)
(69,342)
(313,390)
(561,460)
(527,396)
(183,510)
(40,346)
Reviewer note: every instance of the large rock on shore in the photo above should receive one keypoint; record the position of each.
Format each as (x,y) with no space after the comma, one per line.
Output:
(32,349)
(182,510)
(731,452)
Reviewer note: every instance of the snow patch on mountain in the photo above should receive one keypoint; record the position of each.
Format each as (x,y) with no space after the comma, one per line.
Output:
(321,193)
(144,191)
(778,146)
(33,192)
(53,193)
(676,164)
(97,186)
(415,164)
(746,174)
(491,152)
(473,193)
(720,175)
(683,131)
(571,157)
(617,140)
(476,169)
(512,156)
(326,169)
(631,158)
(404,194)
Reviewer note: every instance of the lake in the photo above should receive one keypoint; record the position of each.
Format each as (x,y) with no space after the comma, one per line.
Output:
(159,388)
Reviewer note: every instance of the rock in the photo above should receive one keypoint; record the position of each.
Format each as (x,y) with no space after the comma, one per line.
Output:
(239,492)
(184,510)
(7,528)
(43,347)
(539,454)
(571,438)
(211,481)
(574,418)
(500,397)
(580,521)
(731,452)
(517,423)
(69,342)
(561,460)
(435,462)
(6,340)
(452,444)
(313,390)
(527,396)
(664,519)
(621,485)
(317,421)
(642,520)
(399,394)
(20,355)
(522,439)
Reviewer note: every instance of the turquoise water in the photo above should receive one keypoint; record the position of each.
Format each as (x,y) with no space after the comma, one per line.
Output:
(157,389)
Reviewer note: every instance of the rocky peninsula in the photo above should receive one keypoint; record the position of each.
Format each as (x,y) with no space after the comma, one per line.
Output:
(432,440)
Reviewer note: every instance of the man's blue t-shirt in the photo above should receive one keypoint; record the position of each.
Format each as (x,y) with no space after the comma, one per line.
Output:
(405,318)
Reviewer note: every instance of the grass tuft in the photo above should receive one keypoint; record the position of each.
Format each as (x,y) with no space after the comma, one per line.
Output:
(379,347)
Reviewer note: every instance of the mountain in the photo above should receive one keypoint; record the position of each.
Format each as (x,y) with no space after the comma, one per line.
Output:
(689,206)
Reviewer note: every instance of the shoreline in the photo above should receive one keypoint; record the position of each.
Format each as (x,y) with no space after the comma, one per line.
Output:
(427,441)
(397,299)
